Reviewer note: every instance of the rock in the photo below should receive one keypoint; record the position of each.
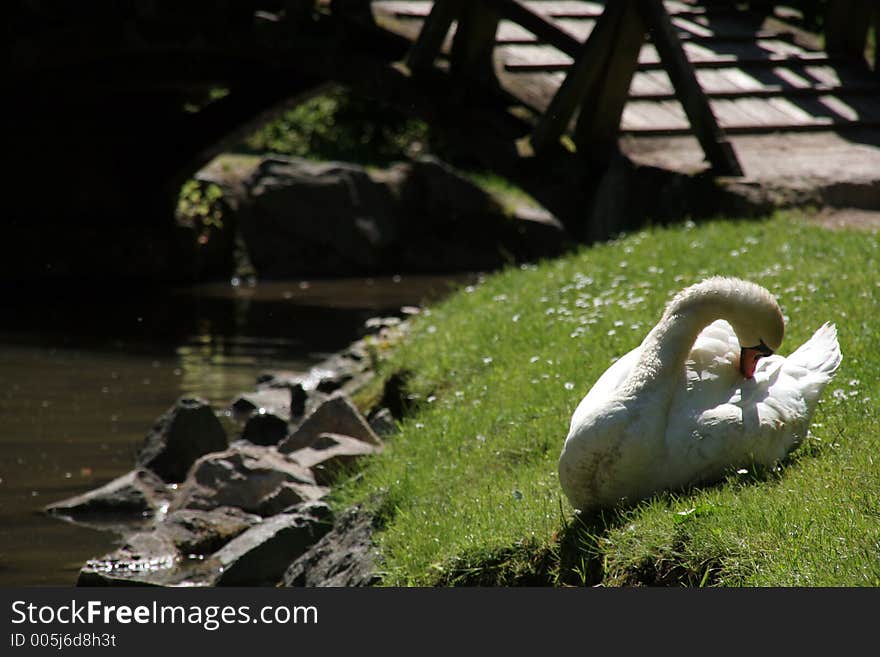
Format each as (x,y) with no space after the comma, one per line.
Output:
(394,394)
(302,217)
(265,429)
(330,454)
(145,559)
(345,556)
(337,415)
(298,399)
(255,479)
(187,431)
(138,493)
(382,422)
(195,532)
(265,400)
(259,556)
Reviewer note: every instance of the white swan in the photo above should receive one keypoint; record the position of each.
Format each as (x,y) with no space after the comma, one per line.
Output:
(691,402)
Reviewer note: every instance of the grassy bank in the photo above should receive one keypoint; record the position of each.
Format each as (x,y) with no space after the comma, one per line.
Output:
(468,491)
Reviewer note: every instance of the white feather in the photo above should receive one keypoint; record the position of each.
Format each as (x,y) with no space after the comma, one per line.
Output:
(695,424)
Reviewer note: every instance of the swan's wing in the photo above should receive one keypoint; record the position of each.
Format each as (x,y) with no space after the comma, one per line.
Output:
(605,386)
(811,366)
(789,389)
(727,421)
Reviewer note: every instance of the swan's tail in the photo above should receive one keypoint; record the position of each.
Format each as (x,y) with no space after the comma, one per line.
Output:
(816,361)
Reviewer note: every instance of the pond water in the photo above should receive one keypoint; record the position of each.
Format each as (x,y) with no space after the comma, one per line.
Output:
(84,376)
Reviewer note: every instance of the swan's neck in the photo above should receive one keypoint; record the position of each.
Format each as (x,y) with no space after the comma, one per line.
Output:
(666,348)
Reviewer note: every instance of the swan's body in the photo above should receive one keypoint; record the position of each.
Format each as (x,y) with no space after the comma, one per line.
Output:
(678,410)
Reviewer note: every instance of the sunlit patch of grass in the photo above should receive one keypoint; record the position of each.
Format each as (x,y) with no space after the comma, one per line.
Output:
(470,481)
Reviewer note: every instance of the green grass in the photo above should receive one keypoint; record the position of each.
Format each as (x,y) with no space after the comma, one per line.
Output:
(468,491)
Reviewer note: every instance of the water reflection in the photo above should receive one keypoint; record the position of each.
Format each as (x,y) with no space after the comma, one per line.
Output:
(83,378)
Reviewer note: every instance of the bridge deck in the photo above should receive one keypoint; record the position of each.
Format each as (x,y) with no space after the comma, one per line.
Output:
(770,86)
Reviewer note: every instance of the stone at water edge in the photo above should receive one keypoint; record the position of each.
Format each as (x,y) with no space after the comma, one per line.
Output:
(265,429)
(264,400)
(185,432)
(137,493)
(336,415)
(331,454)
(196,532)
(346,556)
(255,479)
(260,556)
(168,554)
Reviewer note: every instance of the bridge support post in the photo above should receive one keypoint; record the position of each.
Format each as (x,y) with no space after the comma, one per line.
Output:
(712,139)
(598,124)
(846,27)
(474,44)
(436,27)
(586,77)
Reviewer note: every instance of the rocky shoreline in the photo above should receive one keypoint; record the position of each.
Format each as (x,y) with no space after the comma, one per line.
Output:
(199,509)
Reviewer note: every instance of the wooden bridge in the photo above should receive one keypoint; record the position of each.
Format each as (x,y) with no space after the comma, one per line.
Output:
(648,69)
(546,92)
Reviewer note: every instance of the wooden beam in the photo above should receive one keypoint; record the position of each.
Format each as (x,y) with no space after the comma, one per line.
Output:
(598,125)
(473,46)
(436,27)
(589,61)
(846,27)
(712,139)
(537,24)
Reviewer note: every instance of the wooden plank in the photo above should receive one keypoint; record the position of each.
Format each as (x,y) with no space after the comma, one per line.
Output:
(840,108)
(646,116)
(818,123)
(795,112)
(718,150)
(650,61)
(510,33)
(536,59)
(651,84)
(426,48)
(729,114)
(867,107)
(771,111)
(778,91)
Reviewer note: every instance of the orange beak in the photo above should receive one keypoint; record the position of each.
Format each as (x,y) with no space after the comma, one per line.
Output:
(749,357)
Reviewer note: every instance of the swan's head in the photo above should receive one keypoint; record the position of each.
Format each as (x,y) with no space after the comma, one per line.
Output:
(758,323)
(750,309)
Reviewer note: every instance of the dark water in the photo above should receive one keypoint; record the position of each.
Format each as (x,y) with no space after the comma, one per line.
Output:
(83,376)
